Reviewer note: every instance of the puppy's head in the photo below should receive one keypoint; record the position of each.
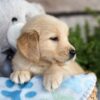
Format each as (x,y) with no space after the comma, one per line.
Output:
(46,37)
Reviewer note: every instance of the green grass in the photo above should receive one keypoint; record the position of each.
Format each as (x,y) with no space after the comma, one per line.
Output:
(88,51)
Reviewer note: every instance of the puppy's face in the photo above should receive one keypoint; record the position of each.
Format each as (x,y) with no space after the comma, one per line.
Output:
(54,44)
(48,39)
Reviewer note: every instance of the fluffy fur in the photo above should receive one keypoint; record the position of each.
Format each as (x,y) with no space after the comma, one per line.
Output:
(43,49)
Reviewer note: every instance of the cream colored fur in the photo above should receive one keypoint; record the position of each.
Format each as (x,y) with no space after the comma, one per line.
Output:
(38,54)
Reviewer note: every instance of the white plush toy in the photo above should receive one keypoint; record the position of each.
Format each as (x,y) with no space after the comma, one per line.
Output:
(13,34)
(27,10)
(13,15)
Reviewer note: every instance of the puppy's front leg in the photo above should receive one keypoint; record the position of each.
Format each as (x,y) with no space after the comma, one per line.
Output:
(53,78)
(21,69)
(20,77)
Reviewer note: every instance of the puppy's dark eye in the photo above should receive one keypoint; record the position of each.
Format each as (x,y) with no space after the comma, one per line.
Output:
(54,38)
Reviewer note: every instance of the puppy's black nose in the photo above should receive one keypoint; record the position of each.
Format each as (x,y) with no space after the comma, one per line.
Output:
(72,52)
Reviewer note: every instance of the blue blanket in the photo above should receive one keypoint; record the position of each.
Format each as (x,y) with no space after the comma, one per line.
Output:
(77,87)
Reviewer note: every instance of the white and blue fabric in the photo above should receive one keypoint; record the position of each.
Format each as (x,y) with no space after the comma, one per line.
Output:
(77,87)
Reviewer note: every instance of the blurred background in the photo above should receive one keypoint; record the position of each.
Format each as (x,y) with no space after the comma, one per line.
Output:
(83,18)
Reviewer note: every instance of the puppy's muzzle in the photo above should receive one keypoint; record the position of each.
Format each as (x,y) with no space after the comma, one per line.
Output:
(72,53)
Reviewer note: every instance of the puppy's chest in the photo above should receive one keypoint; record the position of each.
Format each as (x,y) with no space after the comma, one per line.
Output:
(38,69)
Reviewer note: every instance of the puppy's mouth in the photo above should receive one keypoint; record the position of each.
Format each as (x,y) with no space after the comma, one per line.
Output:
(70,58)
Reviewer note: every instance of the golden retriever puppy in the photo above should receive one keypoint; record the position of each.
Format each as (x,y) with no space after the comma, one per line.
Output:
(43,49)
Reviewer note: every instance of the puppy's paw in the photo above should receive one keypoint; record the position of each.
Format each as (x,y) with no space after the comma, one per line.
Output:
(20,77)
(52,81)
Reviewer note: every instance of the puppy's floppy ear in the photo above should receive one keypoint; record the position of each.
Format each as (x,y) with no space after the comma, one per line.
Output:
(28,45)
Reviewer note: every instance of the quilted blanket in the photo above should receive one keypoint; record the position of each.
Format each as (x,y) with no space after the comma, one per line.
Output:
(77,87)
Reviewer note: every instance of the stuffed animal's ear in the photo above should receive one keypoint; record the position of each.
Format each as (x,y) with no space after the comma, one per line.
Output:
(34,9)
(28,45)
(39,8)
